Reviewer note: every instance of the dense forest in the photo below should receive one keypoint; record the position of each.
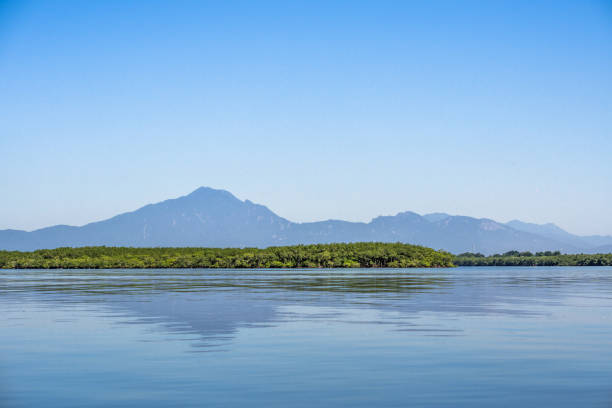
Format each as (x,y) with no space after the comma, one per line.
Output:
(548,258)
(353,255)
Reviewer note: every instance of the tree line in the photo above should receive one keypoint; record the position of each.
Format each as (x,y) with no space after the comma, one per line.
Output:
(546,258)
(341,255)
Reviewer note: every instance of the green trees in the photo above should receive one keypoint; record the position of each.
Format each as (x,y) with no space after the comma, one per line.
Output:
(351,255)
(548,258)
(342,255)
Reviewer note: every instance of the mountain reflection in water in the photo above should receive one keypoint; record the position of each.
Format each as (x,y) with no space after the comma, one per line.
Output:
(365,337)
(213,304)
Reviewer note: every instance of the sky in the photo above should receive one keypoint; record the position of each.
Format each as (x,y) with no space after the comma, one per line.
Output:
(318,110)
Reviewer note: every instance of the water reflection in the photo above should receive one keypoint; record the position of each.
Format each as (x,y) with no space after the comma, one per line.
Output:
(459,337)
(213,317)
(115,282)
(213,304)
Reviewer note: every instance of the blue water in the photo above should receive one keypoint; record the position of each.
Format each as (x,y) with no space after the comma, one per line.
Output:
(477,337)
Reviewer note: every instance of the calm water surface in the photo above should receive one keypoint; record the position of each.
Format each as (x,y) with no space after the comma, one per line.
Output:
(490,337)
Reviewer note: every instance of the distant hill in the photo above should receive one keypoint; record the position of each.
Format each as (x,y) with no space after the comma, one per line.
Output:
(604,249)
(216,218)
(206,217)
(586,244)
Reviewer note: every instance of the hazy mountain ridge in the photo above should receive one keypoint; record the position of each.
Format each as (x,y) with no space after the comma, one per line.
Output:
(589,243)
(216,218)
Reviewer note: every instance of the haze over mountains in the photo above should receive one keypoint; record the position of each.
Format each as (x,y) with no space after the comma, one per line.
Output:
(216,218)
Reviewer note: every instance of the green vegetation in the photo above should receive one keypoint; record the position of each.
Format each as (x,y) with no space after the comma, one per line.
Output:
(548,258)
(353,255)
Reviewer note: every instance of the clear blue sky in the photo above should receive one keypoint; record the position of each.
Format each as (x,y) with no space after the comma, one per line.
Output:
(316,109)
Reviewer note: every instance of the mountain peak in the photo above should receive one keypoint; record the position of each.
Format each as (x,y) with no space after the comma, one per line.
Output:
(209,194)
(209,191)
(536,228)
(216,218)
(435,217)
(408,214)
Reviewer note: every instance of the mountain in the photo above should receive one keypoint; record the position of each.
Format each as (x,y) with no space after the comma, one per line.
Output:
(216,218)
(587,244)
(604,249)
(433,217)
(206,217)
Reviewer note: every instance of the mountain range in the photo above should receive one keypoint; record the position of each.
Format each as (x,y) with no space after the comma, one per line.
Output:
(215,218)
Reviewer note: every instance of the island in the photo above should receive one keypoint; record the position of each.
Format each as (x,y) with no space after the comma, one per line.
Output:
(337,255)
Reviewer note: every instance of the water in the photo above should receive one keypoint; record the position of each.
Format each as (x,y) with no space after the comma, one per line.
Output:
(489,337)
